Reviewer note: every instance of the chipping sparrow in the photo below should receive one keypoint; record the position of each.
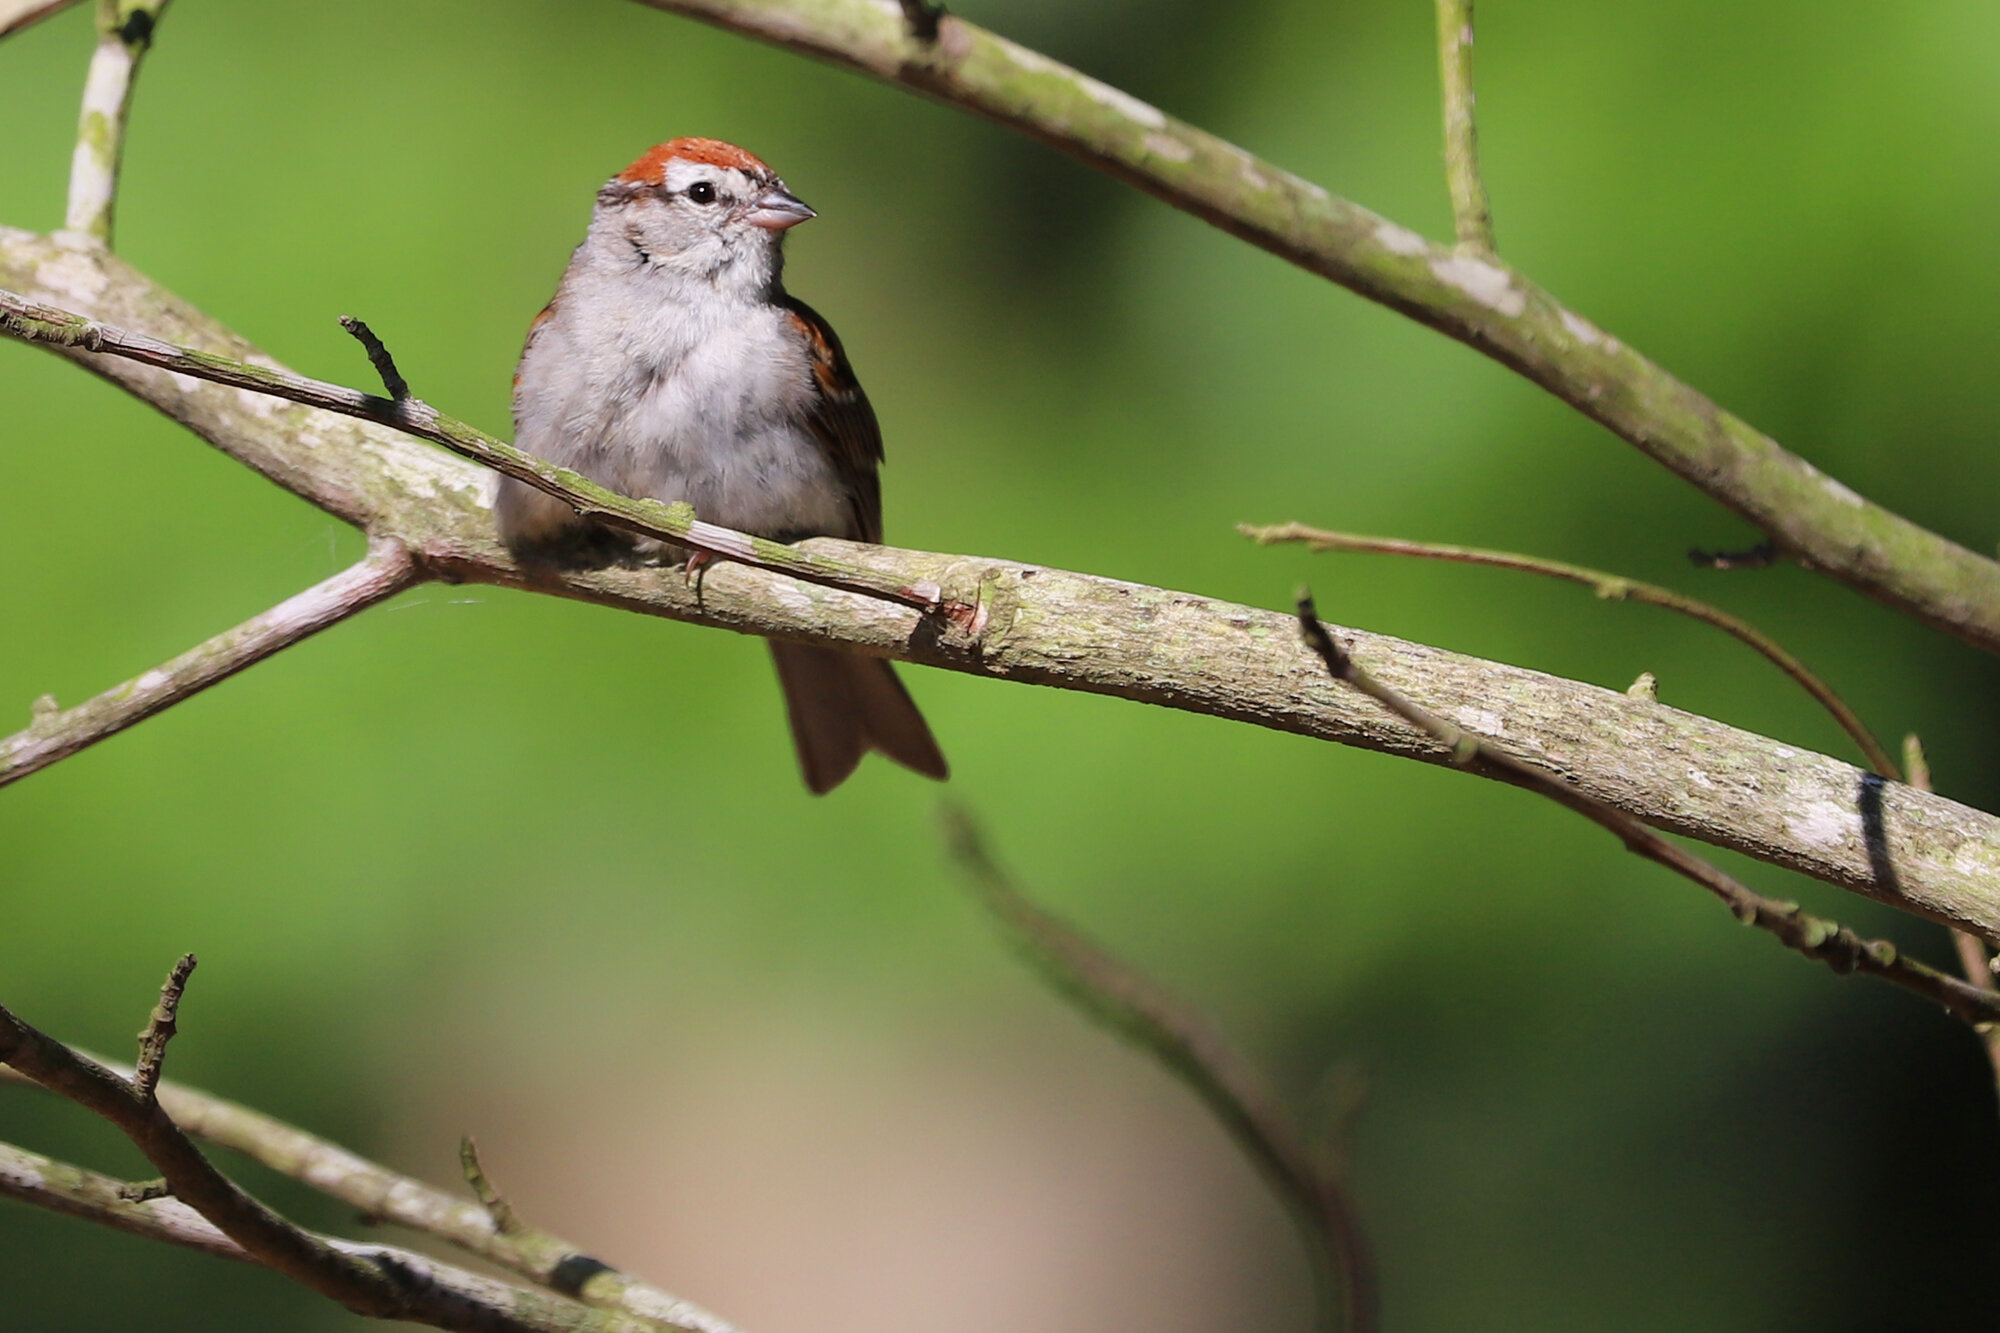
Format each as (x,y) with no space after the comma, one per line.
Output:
(672,365)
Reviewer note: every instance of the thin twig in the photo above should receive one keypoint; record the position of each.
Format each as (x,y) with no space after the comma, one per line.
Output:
(1480,301)
(1470,211)
(124,35)
(388,1196)
(369,1280)
(1611,588)
(1815,937)
(1183,1039)
(160,1030)
(32,322)
(386,571)
(378,357)
(483,1189)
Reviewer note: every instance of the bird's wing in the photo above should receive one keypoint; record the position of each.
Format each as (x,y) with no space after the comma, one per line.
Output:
(842,420)
(535,328)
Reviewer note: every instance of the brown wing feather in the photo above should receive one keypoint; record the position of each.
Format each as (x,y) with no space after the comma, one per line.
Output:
(843,421)
(534,327)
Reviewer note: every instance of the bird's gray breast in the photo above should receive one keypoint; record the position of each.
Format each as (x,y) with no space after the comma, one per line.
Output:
(714,409)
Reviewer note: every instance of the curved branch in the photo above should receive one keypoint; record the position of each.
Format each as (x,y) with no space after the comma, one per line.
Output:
(1673,770)
(1190,1046)
(1478,300)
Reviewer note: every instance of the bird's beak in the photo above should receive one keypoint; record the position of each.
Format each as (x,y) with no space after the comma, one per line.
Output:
(778,209)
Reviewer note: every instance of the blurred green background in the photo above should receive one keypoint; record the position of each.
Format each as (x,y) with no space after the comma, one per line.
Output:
(759,1047)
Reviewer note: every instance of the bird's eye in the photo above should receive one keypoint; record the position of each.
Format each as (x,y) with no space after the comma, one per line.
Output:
(702,192)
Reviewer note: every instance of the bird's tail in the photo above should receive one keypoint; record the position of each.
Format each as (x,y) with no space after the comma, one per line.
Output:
(843,705)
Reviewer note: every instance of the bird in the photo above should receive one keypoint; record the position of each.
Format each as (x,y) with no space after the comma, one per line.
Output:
(673,365)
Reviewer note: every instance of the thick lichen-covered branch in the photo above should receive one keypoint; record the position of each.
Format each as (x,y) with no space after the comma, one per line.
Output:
(1476,299)
(1674,770)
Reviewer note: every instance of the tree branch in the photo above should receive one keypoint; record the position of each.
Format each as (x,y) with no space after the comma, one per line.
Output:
(1479,301)
(124,34)
(1677,771)
(79,1192)
(388,1196)
(1471,214)
(106,1200)
(386,571)
(268,1238)
(1181,1038)
(1611,588)
(1814,937)
(370,1280)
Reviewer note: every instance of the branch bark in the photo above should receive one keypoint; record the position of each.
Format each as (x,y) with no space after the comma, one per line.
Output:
(1472,215)
(124,35)
(1477,300)
(1673,770)
(80,1192)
